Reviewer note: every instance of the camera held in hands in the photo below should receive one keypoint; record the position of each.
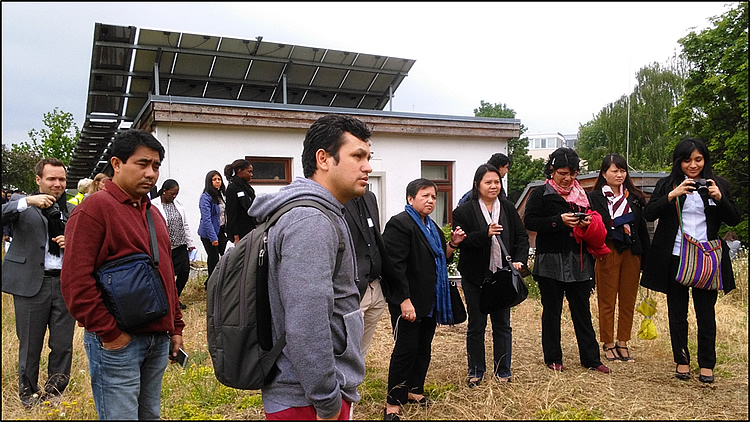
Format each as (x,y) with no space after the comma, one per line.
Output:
(701,185)
(579,215)
(54,212)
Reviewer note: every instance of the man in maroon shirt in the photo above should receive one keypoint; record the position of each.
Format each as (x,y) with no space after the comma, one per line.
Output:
(126,367)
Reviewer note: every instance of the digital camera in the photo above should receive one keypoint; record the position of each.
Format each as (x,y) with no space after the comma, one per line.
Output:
(701,185)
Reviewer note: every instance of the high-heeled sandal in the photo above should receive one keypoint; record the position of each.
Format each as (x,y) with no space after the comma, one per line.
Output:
(628,358)
(613,349)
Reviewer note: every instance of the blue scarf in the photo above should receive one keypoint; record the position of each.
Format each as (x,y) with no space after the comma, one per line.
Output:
(442,285)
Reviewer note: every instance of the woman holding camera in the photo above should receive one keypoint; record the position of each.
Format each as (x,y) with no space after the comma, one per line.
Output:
(483,218)
(705,201)
(563,268)
(620,204)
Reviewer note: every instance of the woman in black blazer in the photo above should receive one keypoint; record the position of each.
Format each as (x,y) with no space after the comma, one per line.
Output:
(483,217)
(703,211)
(620,203)
(419,292)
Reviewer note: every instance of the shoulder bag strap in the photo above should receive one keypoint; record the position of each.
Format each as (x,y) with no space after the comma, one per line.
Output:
(152,235)
(507,256)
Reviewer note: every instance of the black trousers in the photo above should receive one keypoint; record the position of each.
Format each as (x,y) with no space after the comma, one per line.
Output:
(181,266)
(214,252)
(411,356)
(578,294)
(705,315)
(33,316)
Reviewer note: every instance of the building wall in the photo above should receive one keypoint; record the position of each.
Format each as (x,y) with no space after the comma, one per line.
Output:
(193,150)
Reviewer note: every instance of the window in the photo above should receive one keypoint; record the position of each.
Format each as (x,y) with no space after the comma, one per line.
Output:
(441,172)
(271,170)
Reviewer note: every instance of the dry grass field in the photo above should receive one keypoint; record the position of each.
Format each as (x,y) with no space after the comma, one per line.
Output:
(645,389)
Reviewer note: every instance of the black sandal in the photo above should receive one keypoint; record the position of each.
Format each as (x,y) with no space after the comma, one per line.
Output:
(624,358)
(613,349)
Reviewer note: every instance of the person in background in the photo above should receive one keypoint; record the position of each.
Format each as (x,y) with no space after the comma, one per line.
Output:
(703,211)
(563,268)
(312,301)
(126,367)
(502,163)
(98,183)
(620,204)
(418,293)
(362,216)
(31,273)
(240,196)
(179,231)
(213,219)
(483,218)
(83,188)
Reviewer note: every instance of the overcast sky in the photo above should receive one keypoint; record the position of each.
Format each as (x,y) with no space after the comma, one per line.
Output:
(555,64)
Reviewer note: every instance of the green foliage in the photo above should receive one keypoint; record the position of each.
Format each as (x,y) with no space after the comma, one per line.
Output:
(59,137)
(524,169)
(658,89)
(453,260)
(714,106)
(18,167)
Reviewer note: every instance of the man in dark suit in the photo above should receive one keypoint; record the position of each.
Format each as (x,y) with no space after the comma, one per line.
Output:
(362,216)
(31,273)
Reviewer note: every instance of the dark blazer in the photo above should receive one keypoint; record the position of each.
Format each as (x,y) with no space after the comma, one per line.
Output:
(474,259)
(656,272)
(366,251)
(542,215)
(638,229)
(23,266)
(413,264)
(238,201)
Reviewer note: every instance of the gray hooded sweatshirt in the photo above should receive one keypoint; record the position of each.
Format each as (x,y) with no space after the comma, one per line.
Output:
(321,362)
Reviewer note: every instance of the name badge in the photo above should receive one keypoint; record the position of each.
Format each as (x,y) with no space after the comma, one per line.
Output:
(240,194)
(370,223)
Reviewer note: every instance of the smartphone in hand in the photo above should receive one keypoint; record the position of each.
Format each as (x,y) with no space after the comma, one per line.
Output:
(181,357)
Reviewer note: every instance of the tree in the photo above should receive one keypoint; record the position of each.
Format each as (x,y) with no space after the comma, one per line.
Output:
(714,106)
(524,169)
(658,89)
(18,168)
(59,137)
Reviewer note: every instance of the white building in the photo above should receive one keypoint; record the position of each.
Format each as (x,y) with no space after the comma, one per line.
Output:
(211,100)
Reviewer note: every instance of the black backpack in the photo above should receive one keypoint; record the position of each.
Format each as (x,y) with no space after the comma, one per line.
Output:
(238,310)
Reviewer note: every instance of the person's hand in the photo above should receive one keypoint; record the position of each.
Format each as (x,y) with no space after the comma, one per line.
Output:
(215,243)
(458,235)
(687,186)
(176,344)
(585,221)
(517,265)
(60,241)
(236,239)
(569,219)
(41,200)
(117,343)
(713,190)
(407,310)
(494,229)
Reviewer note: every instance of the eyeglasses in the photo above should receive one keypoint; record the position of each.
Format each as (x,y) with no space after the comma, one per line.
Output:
(566,174)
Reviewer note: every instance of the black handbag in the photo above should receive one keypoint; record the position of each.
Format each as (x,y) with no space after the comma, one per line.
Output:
(504,289)
(131,286)
(457,305)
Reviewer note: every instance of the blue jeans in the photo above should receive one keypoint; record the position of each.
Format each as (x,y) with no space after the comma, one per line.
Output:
(126,383)
(502,335)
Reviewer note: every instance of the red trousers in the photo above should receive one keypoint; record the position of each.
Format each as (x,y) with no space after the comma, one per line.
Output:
(308,413)
(617,277)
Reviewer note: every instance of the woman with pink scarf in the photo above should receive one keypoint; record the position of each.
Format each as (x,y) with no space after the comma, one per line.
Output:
(564,268)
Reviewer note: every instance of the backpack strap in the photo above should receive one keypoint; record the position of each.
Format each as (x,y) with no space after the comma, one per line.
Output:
(314,204)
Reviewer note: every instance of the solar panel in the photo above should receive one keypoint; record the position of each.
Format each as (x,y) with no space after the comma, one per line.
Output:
(128,65)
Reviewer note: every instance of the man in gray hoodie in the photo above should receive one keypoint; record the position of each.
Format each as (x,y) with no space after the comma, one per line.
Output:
(321,365)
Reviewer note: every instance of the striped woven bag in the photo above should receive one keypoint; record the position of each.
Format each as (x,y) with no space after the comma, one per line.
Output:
(700,262)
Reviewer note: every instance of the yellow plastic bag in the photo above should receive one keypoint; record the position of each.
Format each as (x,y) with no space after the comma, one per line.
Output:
(647,307)
(648,329)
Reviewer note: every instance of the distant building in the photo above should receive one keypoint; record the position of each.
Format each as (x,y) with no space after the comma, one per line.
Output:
(541,145)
